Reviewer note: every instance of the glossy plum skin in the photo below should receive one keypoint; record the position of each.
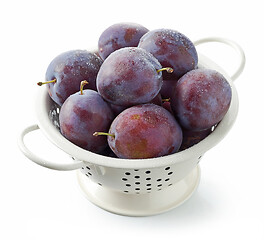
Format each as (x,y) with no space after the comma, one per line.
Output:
(144,131)
(81,116)
(118,36)
(172,49)
(129,76)
(202,98)
(69,69)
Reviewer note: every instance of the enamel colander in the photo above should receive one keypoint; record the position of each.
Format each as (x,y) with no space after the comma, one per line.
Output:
(138,187)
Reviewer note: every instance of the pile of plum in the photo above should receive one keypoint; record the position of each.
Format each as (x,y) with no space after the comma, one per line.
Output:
(141,95)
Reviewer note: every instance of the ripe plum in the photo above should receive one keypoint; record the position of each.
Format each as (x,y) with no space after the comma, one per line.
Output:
(65,73)
(118,36)
(129,76)
(202,98)
(172,49)
(144,131)
(81,115)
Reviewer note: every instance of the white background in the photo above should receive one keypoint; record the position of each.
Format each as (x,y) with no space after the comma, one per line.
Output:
(38,203)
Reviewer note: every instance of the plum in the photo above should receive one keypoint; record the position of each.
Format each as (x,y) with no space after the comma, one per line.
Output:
(144,131)
(201,99)
(66,71)
(130,76)
(118,36)
(172,49)
(81,115)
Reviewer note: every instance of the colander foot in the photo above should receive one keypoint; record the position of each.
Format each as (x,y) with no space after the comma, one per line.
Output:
(140,204)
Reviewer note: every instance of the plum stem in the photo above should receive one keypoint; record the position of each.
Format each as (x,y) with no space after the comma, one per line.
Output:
(52,81)
(166,100)
(168,69)
(84,82)
(103,134)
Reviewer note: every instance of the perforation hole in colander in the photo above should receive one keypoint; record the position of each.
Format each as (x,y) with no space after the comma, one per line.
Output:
(145,181)
(91,173)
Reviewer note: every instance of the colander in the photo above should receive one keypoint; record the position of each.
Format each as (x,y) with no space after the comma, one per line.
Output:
(132,187)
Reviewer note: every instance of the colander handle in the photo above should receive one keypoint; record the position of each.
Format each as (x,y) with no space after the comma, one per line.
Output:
(234,45)
(43,162)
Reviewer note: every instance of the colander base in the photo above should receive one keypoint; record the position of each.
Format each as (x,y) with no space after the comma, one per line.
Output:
(147,204)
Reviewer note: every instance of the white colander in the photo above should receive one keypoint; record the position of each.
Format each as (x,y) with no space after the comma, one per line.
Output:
(134,187)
